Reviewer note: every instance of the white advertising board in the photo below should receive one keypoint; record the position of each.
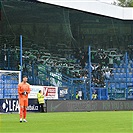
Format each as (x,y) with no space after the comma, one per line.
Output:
(50,92)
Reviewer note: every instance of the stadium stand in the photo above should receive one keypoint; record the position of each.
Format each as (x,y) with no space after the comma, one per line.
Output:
(51,46)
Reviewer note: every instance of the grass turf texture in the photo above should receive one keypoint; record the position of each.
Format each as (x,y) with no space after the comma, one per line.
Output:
(69,122)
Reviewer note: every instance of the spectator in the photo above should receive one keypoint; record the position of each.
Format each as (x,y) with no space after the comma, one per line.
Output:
(82,62)
(94,95)
(111,62)
(94,70)
(107,74)
(77,95)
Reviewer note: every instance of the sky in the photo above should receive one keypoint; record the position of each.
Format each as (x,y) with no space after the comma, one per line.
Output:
(107,1)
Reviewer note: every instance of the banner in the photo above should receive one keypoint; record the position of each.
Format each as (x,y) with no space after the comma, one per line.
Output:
(34,90)
(50,92)
(91,105)
(55,79)
(63,93)
(12,105)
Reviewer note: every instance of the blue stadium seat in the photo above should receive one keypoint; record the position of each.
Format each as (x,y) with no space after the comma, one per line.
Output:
(115,65)
(11,91)
(122,75)
(114,70)
(124,65)
(121,65)
(112,85)
(122,70)
(1,86)
(1,91)
(130,84)
(132,65)
(127,70)
(1,95)
(131,80)
(16,91)
(123,79)
(116,75)
(128,79)
(122,85)
(13,96)
(129,75)
(7,96)
(117,85)
(118,70)
(6,91)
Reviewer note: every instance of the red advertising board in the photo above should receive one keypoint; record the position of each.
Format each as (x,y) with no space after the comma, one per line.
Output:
(50,92)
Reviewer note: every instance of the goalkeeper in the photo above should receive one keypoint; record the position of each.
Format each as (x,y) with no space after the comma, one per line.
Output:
(23,91)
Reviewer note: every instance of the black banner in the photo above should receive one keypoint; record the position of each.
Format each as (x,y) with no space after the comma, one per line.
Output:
(12,105)
(83,106)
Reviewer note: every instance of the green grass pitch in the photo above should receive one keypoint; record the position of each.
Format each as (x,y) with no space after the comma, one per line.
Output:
(69,122)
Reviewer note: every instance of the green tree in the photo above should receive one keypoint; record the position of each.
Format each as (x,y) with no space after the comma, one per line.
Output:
(124,3)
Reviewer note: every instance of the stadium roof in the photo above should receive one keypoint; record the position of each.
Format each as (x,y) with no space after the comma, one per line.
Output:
(96,7)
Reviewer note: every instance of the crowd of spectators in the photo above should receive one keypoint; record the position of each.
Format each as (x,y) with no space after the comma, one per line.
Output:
(102,66)
(73,64)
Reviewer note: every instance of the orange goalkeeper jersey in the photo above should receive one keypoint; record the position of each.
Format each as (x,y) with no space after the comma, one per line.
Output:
(23,87)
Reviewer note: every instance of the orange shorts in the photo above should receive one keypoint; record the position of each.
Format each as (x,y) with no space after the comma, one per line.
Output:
(23,102)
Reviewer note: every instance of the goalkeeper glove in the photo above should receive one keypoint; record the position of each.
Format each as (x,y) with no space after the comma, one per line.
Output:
(24,93)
